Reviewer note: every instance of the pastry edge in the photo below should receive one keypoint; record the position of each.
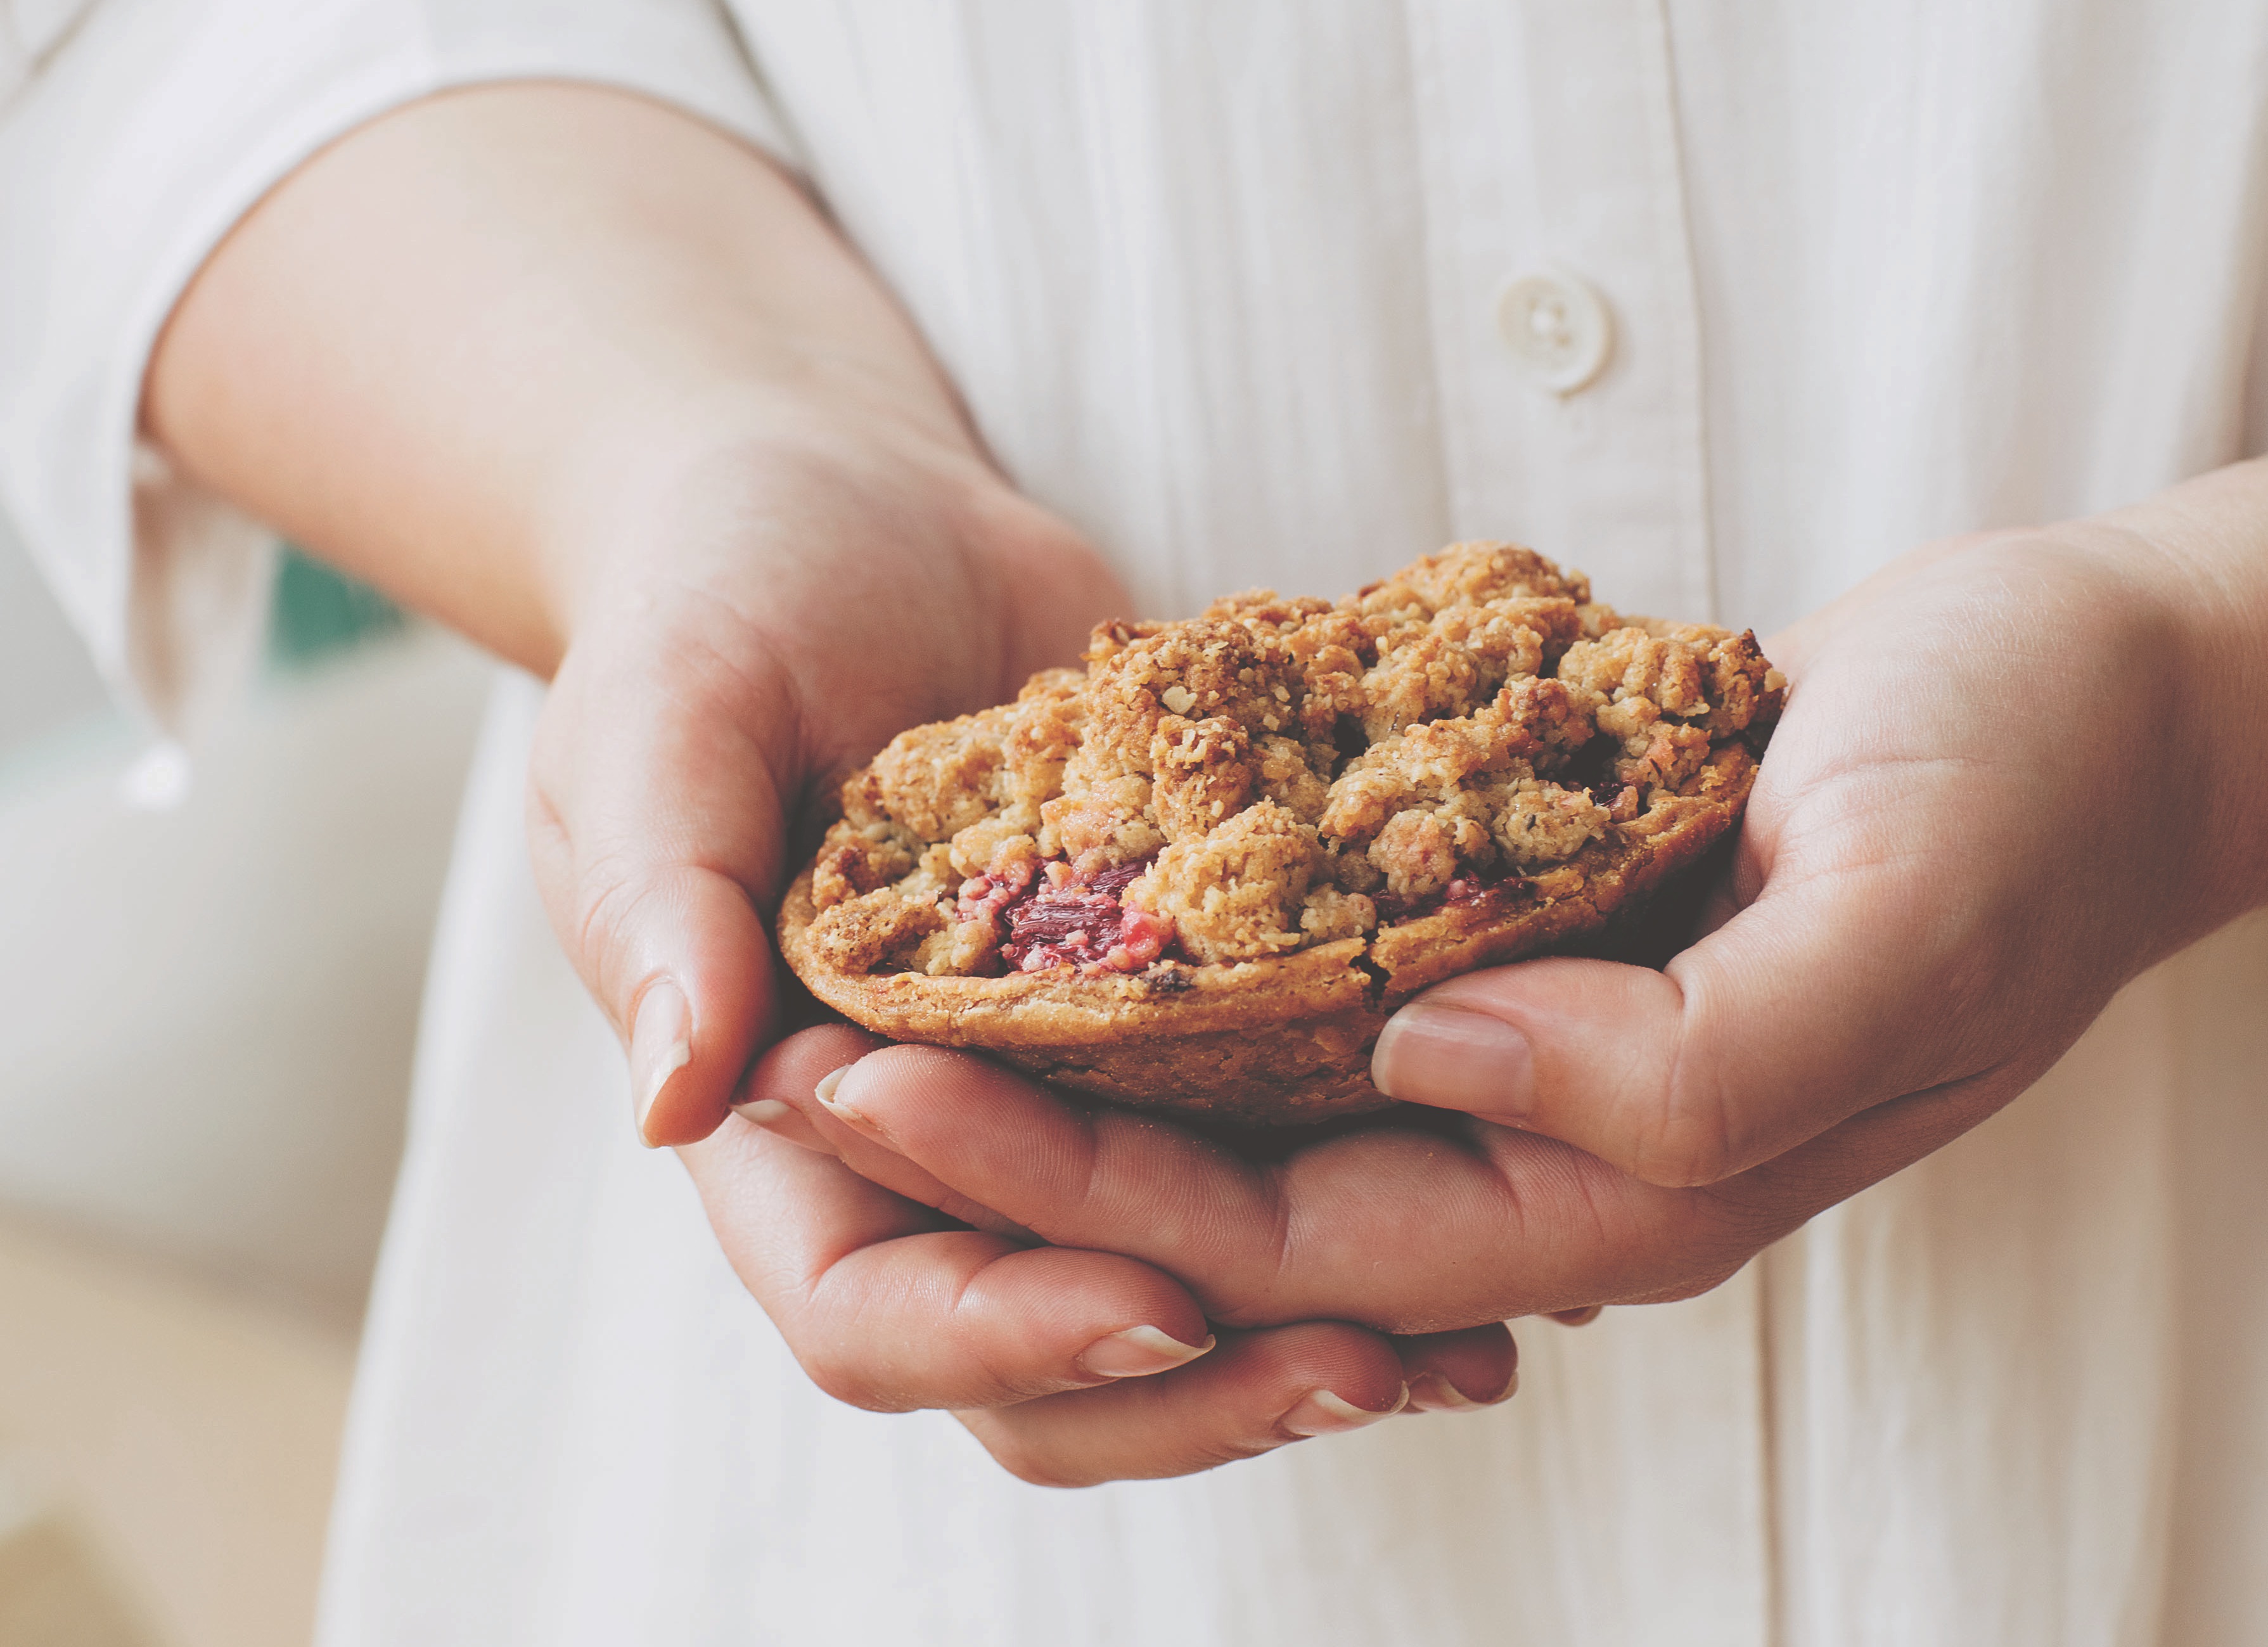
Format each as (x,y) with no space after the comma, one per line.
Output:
(1277,1042)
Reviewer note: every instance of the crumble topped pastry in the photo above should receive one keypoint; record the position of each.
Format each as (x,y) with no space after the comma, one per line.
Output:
(1199,872)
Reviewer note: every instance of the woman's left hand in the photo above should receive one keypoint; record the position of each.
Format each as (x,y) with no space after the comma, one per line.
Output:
(2015,770)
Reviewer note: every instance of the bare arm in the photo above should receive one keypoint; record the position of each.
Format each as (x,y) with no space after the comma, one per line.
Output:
(446,351)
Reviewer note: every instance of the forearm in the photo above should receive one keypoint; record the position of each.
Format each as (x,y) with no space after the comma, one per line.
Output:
(453,351)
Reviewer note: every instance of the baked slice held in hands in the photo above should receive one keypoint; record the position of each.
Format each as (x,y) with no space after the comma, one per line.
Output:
(1199,875)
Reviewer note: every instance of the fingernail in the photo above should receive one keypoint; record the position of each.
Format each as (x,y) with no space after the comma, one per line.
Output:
(1433,1393)
(1139,1352)
(824,1091)
(1328,1413)
(1453,1059)
(782,1119)
(661,1044)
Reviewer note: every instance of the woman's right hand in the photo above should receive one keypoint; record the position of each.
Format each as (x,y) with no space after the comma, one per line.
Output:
(768,604)
(790,608)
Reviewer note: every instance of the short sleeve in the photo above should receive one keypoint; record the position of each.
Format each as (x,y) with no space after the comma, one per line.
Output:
(133,134)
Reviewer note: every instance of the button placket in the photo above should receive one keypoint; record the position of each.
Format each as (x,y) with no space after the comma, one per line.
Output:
(1566,329)
(1567,358)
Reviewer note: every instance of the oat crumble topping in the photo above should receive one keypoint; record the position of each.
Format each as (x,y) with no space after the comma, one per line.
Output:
(1280,773)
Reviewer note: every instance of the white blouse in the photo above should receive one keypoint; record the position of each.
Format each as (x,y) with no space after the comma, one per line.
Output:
(1727,301)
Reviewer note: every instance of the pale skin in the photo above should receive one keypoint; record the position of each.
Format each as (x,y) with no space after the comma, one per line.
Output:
(597,385)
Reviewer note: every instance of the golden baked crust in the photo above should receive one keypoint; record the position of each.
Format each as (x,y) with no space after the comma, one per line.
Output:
(1199,875)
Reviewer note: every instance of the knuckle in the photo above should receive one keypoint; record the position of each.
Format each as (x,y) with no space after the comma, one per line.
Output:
(612,898)
(1688,1141)
(1268,1263)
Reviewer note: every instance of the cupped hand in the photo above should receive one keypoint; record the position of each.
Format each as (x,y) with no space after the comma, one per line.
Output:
(774,608)
(792,604)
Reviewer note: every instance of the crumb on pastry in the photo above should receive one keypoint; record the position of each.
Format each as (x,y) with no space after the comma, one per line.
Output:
(1282,773)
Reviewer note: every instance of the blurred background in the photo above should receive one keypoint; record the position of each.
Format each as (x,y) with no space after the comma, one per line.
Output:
(207,1016)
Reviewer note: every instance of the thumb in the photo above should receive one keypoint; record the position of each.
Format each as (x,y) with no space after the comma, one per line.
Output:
(678,953)
(654,821)
(1765,1033)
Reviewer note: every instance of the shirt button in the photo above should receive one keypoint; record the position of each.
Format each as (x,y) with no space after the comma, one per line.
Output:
(1558,329)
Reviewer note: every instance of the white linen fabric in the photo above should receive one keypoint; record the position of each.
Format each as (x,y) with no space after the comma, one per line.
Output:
(1220,283)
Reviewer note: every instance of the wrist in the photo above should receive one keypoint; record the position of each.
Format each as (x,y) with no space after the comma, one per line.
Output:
(642,498)
(2195,558)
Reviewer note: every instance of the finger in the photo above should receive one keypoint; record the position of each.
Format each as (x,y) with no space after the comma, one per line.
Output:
(966,1128)
(785,1093)
(776,1093)
(1398,1229)
(651,816)
(1256,1392)
(1462,1371)
(889,1308)
(1583,1317)
(1812,1005)
(1355,1228)
(783,1120)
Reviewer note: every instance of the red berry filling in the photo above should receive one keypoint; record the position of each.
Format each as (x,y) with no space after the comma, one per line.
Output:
(1064,920)
(982,897)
